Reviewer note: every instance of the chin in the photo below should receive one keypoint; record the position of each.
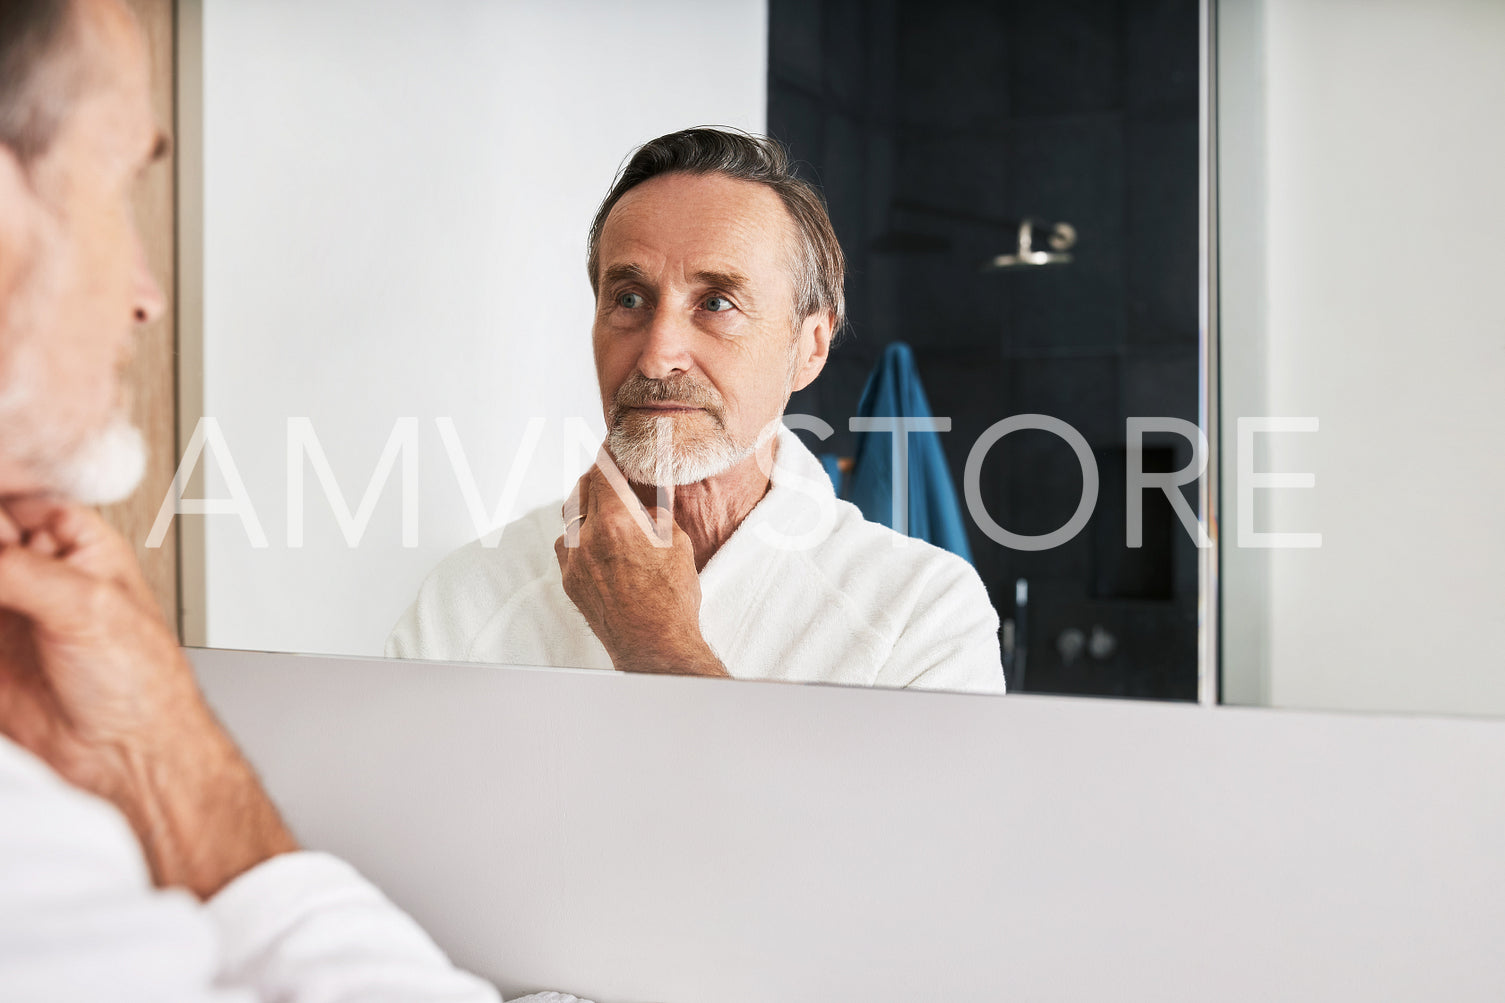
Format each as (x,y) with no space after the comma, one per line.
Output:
(642,461)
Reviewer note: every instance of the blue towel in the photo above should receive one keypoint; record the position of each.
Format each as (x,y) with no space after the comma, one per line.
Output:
(831,463)
(893,391)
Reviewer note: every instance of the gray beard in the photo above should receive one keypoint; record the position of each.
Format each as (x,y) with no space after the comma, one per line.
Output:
(656,457)
(106,467)
(103,468)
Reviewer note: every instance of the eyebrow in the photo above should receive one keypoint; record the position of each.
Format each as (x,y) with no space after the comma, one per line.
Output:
(623,273)
(732,282)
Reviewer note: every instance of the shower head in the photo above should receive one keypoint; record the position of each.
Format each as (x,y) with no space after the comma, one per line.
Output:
(1057,240)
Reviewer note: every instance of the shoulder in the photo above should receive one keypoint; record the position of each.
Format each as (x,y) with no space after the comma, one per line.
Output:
(523,552)
(466,589)
(942,622)
(888,580)
(859,550)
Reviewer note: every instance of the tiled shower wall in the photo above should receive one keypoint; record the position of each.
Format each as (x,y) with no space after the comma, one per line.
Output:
(933,126)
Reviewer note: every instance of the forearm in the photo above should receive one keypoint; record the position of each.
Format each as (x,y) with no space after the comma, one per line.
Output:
(674,656)
(199,811)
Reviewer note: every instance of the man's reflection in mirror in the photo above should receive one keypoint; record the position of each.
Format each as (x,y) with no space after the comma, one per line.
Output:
(708,539)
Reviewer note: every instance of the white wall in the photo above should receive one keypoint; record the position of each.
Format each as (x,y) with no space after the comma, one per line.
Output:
(651,839)
(396,194)
(1383,166)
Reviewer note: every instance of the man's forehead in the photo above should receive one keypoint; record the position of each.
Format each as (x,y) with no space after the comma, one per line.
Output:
(115,128)
(112,112)
(724,224)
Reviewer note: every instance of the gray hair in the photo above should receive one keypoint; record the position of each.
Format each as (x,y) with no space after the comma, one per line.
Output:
(820,269)
(39,76)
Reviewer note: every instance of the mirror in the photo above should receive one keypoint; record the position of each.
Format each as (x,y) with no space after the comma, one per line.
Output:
(396,322)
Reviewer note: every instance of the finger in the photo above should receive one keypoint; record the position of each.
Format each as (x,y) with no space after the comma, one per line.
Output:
(70,528)
(604,476)
(561,552)
(666,530)
(84,540)
(574,504)
(608,486)
(42,542)
(73,526)
(10,533)
(617,503)
(35,511)
(44,590)
(668,524)
(611,492)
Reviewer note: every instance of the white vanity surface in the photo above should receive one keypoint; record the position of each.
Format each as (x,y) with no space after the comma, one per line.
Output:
(642,839)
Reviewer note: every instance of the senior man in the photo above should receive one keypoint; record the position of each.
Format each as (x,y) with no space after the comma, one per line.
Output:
(707,539)
(140,858)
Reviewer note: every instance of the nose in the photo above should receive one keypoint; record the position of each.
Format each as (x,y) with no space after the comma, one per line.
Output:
(147,300)
(667,349)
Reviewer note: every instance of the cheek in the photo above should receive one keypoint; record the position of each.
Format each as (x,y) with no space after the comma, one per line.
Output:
(116,252)
(613,362)
(751,385)
(94,318)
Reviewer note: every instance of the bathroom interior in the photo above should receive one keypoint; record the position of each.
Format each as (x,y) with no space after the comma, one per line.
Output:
(1211,758)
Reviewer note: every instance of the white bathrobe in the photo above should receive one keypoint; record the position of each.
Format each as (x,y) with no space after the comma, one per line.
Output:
(805,590)
(80,920)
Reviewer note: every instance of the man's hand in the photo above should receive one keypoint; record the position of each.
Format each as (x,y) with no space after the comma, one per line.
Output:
(631,572)
(93,682)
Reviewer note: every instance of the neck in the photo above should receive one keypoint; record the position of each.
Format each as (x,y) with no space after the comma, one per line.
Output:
(710,511)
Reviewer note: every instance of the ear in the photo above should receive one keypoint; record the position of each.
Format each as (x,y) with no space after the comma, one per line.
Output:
(813,348)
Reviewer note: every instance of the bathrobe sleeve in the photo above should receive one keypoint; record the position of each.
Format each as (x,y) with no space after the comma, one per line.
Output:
(306,928)
(950,640)
(80,920)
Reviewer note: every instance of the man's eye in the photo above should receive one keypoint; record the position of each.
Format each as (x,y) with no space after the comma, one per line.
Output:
(717,304)
(630,300)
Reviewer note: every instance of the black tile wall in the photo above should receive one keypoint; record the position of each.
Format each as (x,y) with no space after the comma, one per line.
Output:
(1043,480)
(953,70)
(795,48)
(961,174)
(933,127)
(1066,57)
(1162,385)
(1071,169)
(796,118)
(945,301)
(1161,57)
(1082,391)
(972,389)
(1162,215)
(846,59)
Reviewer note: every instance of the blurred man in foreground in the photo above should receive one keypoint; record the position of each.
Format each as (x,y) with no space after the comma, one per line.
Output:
(139,856)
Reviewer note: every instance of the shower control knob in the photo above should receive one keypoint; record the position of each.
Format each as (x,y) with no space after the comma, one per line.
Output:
(1069,644)
(1101,643)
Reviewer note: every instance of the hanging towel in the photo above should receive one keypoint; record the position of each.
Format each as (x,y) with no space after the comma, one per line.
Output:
(893,391)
